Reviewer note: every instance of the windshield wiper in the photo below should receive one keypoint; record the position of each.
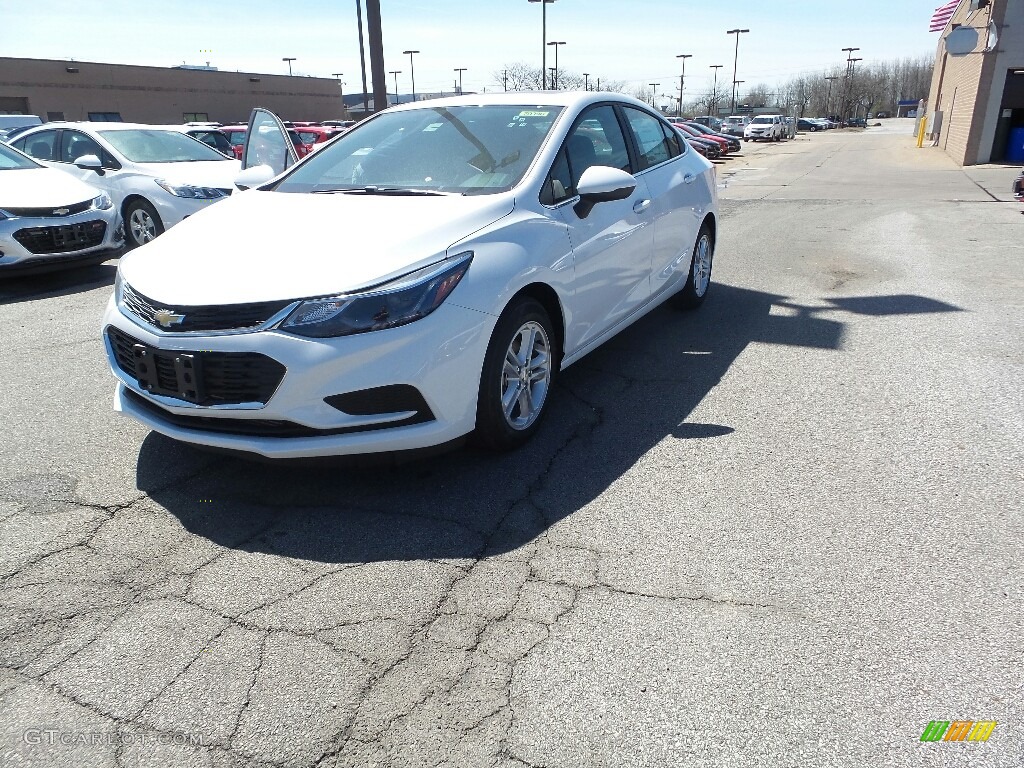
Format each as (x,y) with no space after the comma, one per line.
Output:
(374,190)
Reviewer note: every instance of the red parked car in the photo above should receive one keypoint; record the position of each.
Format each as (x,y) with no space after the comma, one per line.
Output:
(723,143)
(312,135)
(236,135)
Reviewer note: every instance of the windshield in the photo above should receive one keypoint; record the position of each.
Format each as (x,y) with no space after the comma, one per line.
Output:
(761,120)
(150,146)
(13,161)
(465,149)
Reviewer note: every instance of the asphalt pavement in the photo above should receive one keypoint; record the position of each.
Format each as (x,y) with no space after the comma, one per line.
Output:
(783,530)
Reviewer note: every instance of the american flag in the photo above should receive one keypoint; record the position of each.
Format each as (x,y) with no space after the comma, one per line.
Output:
(942,16)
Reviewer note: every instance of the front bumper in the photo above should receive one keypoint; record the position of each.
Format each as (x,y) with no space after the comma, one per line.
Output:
(440,355)
(36,243)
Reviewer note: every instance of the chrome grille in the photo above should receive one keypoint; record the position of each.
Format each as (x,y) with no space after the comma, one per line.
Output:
(217,317)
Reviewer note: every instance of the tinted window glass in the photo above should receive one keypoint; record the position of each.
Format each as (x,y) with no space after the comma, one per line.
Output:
(74,145)
(41,146)
(559,182)
(11,160)
(651,140)
(154,146)
(471,149)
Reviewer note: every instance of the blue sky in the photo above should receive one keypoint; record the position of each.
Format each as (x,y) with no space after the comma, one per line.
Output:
(627,40)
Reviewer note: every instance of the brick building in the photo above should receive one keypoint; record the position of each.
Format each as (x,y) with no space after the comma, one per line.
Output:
(79,90)
(977,99)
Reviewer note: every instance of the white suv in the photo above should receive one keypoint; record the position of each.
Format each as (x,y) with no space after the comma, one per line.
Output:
(770,127)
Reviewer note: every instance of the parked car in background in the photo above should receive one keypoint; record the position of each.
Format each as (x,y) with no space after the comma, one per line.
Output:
(733,143)
(11,125)
(734,124)
(236,136)
(807,124)
(346,124)
(723,144)
(155,176)
(313,137)
(712,122)
(766,127)
(515,246)
(51,220)
(710,149)
(211,137)
(856,122)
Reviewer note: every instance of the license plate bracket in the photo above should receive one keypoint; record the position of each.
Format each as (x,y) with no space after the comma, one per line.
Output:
(169,373)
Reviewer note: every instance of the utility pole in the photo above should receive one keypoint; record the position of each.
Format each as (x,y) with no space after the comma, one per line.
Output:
(846,84)
(544,42)
(460,70)
(289,59)
(396,73)
(362,55)
(735,62)
(504,79)
(682,79)
(586,81)
(341,87)
(654,93)
(828,97)
(714,91)
(377,74)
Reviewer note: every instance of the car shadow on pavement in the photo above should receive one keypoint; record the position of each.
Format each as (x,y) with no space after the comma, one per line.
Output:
(48,285)
(606,413)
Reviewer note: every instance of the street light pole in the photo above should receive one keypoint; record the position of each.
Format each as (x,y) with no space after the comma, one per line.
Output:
(289,59)
(395,73)
(341,87)
(654,93)
(682,79)
(544,42)
(586,81)
(846,84)
(557,44)
(412,71)
(735,92)
(460,70)
(735,61)
(714,90)
(828,96)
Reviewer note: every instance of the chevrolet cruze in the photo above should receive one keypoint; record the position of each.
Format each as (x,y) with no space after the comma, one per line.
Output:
(423,277)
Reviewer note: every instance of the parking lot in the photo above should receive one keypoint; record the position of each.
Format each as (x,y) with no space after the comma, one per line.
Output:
(783,531)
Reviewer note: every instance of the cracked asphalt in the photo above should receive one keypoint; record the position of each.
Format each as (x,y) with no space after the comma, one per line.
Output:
(784,530)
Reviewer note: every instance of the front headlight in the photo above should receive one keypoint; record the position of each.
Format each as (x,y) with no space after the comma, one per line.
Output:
(195,193)
(102,202)
(398,302)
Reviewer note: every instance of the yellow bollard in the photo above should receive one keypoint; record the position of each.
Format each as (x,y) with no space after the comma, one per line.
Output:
(920,132)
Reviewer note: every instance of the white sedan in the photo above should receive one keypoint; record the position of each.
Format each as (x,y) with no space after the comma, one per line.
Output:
(425,276)
(157,177)
(49,220)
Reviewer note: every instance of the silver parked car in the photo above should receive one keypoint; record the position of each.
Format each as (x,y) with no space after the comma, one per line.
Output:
(50,220)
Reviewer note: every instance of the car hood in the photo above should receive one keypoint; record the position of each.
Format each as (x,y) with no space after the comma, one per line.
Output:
(202,173)
(42,188)
(266,246)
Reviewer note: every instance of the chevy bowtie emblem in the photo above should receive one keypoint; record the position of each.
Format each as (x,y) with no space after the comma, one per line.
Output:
(61,211)
(166,318)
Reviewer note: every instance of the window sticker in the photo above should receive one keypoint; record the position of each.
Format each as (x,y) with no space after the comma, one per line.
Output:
(533,113)
(432,127)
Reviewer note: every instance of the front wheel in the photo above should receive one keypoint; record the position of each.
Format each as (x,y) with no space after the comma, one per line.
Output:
(699,279)
(519,368)
(142,222)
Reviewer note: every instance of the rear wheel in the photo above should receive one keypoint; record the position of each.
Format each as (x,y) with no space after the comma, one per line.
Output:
(518,371)
(698,281)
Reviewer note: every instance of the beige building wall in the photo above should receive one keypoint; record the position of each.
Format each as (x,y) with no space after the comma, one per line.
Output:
(158,94)
(968,89)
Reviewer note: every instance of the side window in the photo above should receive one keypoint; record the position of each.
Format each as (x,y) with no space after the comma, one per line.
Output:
(41,146)
(672,140)
(650,138)
(596,139)
(75,144)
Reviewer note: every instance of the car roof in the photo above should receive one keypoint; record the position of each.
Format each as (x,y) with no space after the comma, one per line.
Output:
(532,98)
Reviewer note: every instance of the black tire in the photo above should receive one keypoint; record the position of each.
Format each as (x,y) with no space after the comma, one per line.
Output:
(494,430)
(141,223)
(691,296)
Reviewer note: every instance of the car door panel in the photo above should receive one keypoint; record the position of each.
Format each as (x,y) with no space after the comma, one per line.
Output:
(612,241)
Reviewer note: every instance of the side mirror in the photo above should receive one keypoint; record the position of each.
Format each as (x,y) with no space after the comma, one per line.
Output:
(89,163)
(254,176)
(602,184)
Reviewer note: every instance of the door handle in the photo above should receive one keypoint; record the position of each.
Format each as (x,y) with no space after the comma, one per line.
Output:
(689,178)
(641,205)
